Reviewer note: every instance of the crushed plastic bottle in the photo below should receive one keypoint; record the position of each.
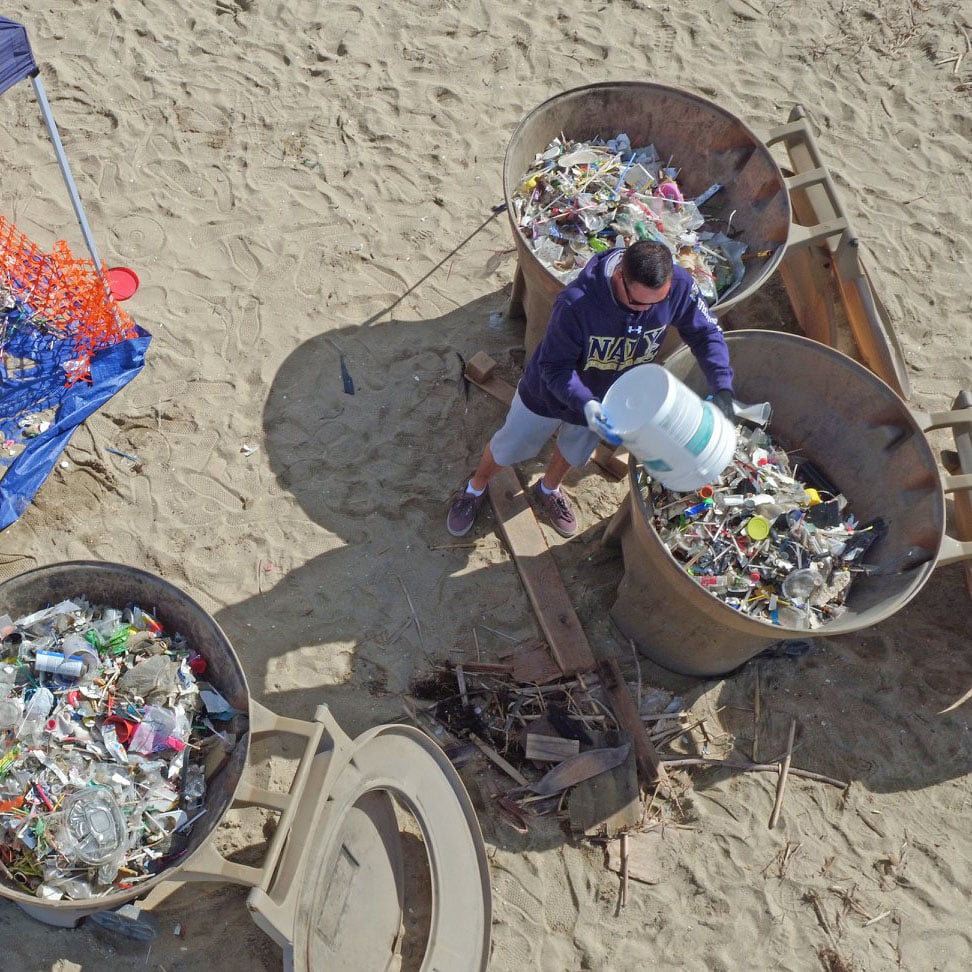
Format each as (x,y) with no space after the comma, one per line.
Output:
(36,711)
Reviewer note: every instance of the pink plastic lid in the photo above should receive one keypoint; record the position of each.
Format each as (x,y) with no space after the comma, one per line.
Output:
(123,282)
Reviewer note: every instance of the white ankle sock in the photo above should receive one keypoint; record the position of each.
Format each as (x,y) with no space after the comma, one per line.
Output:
(548,492)
(474,492)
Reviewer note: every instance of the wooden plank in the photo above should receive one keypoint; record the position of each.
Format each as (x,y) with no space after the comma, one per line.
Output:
(809,287)
(612,459)
(487,668)
(501,390)
(610,803)
(480,371)
(533,664)
(539,573)
(550,749)
(650,768)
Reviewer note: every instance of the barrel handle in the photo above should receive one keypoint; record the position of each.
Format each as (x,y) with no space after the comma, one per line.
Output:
(954,551)
(797,132)
(959,419)
(206,863)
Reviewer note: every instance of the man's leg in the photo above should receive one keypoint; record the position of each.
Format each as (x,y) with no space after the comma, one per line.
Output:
(522,436)
(464,507)
(578,444)
(557,468)
(487,468)
(554,504)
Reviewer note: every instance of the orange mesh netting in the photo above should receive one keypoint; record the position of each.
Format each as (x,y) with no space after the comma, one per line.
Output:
(68,292)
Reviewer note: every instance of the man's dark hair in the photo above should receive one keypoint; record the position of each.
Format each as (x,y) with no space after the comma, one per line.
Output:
(647,263)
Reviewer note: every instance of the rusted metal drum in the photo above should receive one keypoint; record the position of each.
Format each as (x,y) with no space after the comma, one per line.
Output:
(708,144)
(867,442)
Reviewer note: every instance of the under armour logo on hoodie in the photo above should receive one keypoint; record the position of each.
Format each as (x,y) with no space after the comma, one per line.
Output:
(634,330)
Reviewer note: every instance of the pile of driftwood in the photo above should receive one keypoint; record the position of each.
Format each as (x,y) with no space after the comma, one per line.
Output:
(566,747)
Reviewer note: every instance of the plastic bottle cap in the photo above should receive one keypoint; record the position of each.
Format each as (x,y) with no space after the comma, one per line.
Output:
(758,527)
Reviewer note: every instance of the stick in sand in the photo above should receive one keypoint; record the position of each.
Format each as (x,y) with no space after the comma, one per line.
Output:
(494,757)
(756,715)
(624,868)
(411,607)
(781,784)
(742,764)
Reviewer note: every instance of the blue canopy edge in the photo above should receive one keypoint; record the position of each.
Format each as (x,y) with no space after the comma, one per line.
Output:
(16,58)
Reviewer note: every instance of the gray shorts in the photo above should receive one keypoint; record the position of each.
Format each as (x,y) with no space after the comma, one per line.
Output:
(524,433)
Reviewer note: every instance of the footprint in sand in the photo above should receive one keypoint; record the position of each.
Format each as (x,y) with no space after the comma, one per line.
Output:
(138,237)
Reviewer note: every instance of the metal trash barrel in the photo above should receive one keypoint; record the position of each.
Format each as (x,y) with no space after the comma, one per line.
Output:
(854,429)
(707,142)
(115,585)
(331,889)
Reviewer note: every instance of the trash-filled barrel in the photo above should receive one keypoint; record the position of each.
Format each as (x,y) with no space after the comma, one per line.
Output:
(72,822)
(861,437)
(719,163)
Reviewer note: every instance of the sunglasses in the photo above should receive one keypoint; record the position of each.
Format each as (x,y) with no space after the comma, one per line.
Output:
(630,301)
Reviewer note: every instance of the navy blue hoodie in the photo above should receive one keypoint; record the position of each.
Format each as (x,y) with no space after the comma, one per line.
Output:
(592,339)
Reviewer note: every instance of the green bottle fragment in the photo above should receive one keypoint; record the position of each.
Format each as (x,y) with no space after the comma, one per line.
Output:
(117,642)
(8,759)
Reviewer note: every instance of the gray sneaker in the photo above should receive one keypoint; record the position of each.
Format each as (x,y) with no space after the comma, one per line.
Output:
(463,511)
(557,509)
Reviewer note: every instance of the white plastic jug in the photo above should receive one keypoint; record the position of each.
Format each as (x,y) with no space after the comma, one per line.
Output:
(683,441)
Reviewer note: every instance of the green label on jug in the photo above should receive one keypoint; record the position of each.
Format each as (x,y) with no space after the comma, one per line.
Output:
(657,465)
(703,433)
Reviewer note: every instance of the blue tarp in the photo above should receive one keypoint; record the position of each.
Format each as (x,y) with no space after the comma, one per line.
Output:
(34,356)
(38,385)
(16,58)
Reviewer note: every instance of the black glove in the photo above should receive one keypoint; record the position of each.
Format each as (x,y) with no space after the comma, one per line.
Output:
(723,400)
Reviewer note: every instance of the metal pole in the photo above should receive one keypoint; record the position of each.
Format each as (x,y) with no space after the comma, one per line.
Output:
(65,170)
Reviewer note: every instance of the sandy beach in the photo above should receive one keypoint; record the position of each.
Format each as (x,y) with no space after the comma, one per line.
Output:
(297,181)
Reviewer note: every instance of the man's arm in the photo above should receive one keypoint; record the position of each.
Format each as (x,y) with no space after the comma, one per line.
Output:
(701,332)
(562,352)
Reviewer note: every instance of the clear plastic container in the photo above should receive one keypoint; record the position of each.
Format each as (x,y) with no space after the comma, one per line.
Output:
(91,828)
(11,712)
(8,679)
(159,729)
(36,711)
(800,584)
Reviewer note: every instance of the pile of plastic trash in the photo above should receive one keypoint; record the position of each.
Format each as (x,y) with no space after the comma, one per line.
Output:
(107,736)
(579,198)
(771,539)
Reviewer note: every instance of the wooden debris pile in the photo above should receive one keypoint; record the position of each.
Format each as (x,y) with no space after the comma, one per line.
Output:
(585,748)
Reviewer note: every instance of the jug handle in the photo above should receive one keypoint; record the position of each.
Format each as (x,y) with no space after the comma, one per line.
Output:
(959,420)
(206,863)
